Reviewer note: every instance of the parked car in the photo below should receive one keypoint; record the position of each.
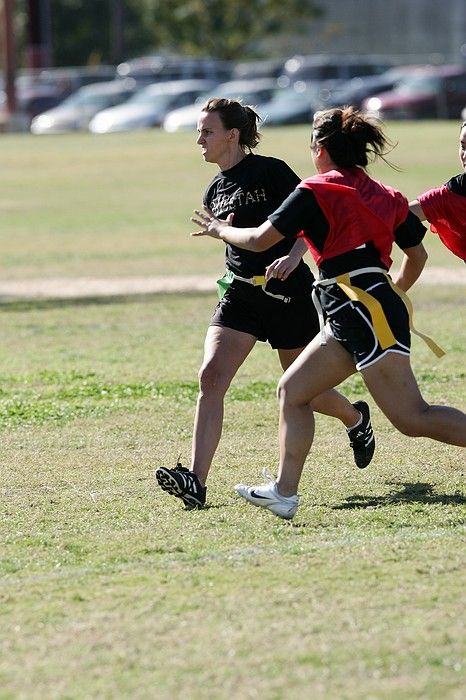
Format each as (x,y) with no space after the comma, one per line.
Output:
(356,90)
(77,110)
(251,70)
(157,68)
(323,67)
(38,90)
(253,92)
(149,106)
(30,101)
(431,92)
(291,105)
(68,80)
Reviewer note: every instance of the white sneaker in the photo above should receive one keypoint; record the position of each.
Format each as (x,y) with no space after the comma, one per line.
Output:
(267,496)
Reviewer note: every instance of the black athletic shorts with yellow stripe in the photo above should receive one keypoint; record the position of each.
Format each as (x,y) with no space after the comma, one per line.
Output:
(350,322)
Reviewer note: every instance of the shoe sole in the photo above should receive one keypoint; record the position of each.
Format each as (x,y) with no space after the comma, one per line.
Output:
(370,449)
(167,483)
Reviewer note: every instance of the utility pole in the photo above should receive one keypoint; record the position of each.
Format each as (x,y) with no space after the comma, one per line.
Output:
(39,34)
(9,59)
(117,34)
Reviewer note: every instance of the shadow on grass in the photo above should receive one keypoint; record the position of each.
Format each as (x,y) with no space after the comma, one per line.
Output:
(45,304)
(406,493)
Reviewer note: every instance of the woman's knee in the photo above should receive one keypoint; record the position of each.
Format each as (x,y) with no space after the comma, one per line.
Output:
(410,424)
(213,379)
(287,394)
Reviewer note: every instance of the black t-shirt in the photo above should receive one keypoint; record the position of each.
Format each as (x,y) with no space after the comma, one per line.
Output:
(457,184)
(252,190)
(301,212)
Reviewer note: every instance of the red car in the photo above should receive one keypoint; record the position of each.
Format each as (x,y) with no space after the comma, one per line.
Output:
(430,92)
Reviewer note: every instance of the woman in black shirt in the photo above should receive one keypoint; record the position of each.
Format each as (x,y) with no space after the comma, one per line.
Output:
(249,187)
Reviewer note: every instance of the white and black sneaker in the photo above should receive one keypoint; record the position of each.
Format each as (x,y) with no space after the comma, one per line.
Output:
(362,437)
(184,484)
(267,496)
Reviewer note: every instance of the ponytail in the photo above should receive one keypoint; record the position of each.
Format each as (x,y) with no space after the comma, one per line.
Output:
(350,137)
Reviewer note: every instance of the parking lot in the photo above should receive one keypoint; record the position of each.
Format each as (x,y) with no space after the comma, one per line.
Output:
(167,92)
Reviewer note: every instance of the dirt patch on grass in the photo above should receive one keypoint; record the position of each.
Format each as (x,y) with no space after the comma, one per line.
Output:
(90,287)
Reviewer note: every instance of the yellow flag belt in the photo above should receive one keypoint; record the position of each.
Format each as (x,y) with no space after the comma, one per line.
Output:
(379,320)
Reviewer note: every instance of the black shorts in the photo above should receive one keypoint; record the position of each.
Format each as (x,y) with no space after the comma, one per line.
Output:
(351,324)
(285,326)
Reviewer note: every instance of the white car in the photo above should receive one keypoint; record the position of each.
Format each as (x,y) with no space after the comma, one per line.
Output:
(252,92)
(77,110)
(149,106)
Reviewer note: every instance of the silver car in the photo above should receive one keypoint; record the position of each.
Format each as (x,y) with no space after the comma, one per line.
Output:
(149,106)
(253,92)
(77,110)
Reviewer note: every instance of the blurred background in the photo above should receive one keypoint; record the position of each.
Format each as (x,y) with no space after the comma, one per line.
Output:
(120,65)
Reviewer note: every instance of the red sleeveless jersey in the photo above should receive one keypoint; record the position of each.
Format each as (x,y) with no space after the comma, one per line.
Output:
(358,210)
(446,213)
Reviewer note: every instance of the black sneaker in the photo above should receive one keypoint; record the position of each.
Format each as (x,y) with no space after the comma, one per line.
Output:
(361,437)
(182,483)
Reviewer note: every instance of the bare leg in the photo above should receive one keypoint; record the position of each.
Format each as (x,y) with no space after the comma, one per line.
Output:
(329,403)
(224,352)
(315,371)
(393,386)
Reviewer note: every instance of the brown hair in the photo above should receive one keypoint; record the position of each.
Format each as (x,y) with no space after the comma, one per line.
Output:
(234,115)
(350,137)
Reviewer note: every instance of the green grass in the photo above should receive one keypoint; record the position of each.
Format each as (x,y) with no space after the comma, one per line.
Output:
(78,205)
(108,588)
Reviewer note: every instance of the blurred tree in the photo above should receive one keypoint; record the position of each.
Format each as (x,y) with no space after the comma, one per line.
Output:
(80,31)
(93,31)
(230,29)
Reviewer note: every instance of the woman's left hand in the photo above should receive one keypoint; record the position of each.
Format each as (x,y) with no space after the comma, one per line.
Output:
(281,268)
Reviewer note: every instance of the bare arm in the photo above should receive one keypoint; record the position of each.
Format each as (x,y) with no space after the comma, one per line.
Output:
(255,239)
(282,267)
(417,209)
(412,265)
(298,249)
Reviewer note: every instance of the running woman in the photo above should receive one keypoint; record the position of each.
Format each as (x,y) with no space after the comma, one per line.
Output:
(445,207)
(349,222)
(280,310)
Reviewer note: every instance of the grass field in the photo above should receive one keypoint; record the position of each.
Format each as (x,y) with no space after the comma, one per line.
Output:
(120,204)
(108,588)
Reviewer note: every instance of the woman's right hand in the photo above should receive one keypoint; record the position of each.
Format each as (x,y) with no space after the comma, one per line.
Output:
(210,225)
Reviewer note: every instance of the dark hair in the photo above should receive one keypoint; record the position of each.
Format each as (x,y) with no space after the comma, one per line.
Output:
(234,115)
(350,137)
